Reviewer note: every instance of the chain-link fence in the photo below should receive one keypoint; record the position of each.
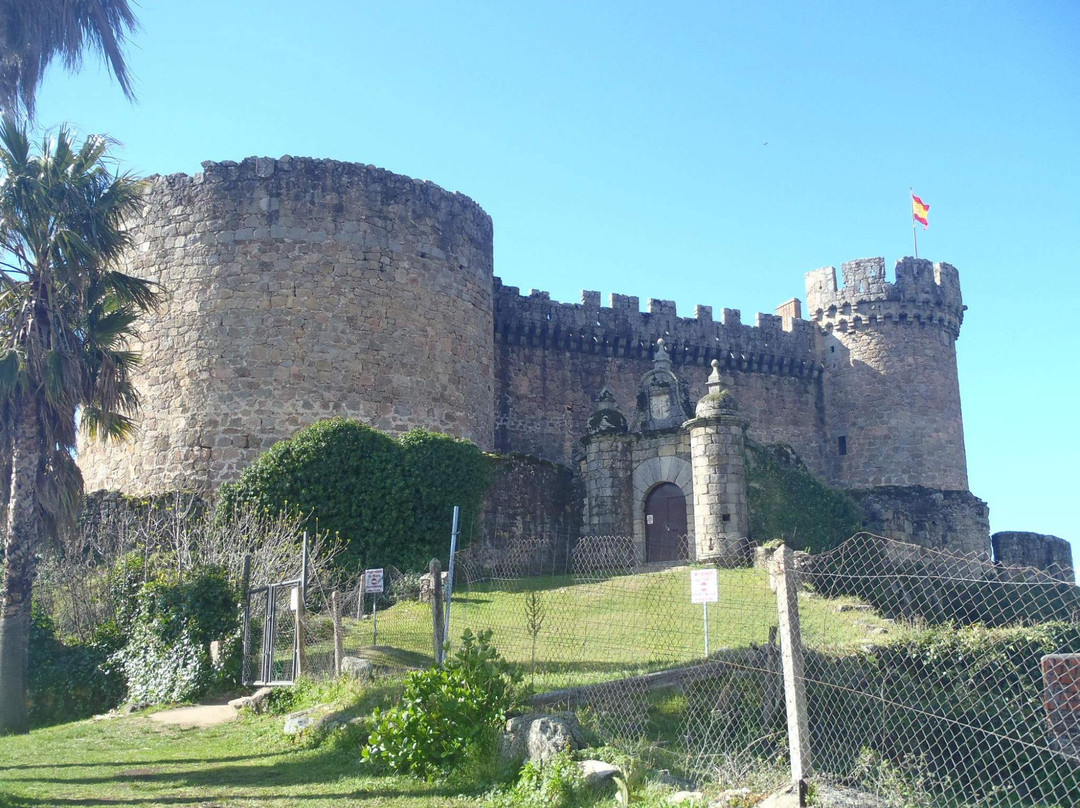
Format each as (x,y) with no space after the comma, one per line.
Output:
(921,670)
(945,702)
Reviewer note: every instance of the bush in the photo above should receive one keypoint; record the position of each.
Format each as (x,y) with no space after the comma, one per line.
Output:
(559,784)
(391,501)
(449,718)
(68,682)
(166,657)
(157,672)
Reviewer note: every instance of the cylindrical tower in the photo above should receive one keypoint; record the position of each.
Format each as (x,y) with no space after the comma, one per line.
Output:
(891,392)
(606,472)
(718,456)
(300,289)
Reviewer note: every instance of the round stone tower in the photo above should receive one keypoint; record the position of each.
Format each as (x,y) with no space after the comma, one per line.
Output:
(717,451)
(891,392)
(300,289)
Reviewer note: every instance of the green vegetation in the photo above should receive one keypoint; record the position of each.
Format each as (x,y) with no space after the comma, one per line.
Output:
(135,761)
(72,681)
(390,500)
(596,630)
(66,315)
(788,503)
(449,719)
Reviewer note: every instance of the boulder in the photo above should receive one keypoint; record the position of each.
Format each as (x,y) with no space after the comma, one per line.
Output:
(597,773)
(733,796)
(540,737)
(297,722)
(256,702)
(357,668)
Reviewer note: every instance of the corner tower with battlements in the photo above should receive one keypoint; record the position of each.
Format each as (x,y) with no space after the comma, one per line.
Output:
(892,395)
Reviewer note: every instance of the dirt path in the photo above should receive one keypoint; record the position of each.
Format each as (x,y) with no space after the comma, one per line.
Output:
(197,716)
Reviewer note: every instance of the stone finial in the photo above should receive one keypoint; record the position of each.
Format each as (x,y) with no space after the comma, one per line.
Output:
(714,383)
(718,400)
(661,360)
(605,398)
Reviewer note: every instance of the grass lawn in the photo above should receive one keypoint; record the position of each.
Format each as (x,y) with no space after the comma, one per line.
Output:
(591,630)
(137,762)
(601,629)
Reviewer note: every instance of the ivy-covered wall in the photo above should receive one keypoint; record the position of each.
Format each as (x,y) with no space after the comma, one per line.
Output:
(788,503)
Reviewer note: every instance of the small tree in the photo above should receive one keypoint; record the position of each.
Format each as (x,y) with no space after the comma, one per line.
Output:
(534,620)
(65,316)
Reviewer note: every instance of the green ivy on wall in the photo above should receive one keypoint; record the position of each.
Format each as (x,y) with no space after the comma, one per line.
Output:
(787,503)
(391,500)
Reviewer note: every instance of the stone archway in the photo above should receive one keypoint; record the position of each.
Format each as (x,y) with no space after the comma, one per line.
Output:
(665,524)
(648,476)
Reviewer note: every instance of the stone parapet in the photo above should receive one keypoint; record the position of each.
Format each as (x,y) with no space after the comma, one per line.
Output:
(924,293)
(1043,552)
(781,345)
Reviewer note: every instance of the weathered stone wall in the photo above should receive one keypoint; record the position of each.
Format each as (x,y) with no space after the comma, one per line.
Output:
(553,359)
(301,289)
(891,387)
(530,519)
(1044,552)
(606,471)
(956,521)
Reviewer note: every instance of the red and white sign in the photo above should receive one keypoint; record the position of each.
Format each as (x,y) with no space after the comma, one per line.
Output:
(373,581)
(704,586)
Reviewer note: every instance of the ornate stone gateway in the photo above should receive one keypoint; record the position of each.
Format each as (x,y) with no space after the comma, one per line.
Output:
(665,524)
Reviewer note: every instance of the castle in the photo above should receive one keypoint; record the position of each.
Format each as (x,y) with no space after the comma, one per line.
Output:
(300,289)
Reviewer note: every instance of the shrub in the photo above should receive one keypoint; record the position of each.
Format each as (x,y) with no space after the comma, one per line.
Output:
(166,657)
(68,682)
(559,784)
(157,672)
(945,708)
(439,473)
(389,500)
(449,718)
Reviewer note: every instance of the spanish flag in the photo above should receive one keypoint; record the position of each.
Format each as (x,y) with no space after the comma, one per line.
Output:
(920,211)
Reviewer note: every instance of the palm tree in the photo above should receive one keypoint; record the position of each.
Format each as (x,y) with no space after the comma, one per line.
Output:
(66,314)
(34,32)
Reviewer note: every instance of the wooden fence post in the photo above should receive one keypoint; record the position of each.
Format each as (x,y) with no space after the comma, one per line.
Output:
(435,571)
(245,585)
(339,641)
(791,653)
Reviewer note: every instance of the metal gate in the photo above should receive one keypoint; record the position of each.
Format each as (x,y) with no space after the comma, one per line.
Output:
(271,648)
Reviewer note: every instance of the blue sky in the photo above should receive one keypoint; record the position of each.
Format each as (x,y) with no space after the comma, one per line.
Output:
(622,147)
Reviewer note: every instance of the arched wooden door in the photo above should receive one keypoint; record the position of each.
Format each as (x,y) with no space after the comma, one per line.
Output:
(665,524)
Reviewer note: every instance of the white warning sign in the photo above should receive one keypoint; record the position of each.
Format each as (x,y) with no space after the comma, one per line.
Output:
(373,580)
(704,586)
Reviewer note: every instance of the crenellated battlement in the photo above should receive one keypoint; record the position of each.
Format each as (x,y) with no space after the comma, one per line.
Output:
(923,293)
(775,344)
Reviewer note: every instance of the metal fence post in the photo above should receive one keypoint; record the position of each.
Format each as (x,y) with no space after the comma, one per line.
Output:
(301,613)
(791,653)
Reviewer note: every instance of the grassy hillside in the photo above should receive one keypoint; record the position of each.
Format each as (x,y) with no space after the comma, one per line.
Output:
(605,628)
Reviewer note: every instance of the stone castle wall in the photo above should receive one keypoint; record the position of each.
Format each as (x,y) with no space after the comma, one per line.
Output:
(891,391)
(301,289)
(553,359)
